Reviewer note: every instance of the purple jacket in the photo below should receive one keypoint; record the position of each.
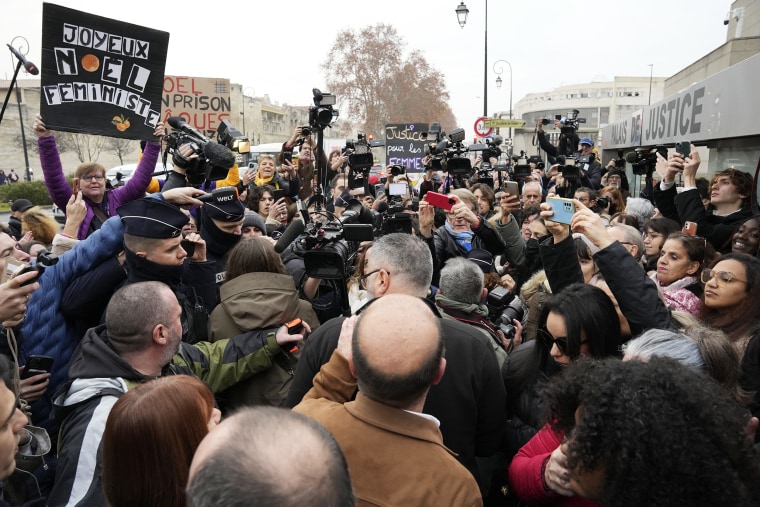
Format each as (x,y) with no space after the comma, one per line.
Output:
(60,192)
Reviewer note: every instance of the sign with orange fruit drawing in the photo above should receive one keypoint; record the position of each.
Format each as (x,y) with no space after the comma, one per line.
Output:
(99,75)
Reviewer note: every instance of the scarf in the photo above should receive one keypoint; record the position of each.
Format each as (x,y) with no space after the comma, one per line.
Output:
(218,242)
(260,182)
(140,269)
(677,296)
(463,239)
(446,303)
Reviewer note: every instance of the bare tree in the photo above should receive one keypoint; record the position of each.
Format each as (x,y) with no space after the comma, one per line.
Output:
(376,84)
(120,147)
(86,147)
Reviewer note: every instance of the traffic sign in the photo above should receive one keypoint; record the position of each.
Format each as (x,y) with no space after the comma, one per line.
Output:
(480,127)
(503,123)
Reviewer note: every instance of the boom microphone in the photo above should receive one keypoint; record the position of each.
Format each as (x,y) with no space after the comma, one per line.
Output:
(29,66)
(218,155)
(179,123)
(631,157)
(294,230)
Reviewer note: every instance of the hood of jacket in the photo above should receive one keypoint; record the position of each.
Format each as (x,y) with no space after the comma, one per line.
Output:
(533,284)
(260,300)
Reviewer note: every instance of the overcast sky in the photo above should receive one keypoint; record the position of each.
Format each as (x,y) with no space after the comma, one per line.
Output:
(276,48)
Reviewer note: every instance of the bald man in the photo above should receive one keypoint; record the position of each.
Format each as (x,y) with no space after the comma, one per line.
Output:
(249,460)
(395,453)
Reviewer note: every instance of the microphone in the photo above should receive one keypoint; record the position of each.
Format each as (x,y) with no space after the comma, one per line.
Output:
(179,123)
(218,155)
(631,157)
(29,66)
(294,230)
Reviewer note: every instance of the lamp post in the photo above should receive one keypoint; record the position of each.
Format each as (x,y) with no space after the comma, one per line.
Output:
(462,12)
(498,85)
(651,69)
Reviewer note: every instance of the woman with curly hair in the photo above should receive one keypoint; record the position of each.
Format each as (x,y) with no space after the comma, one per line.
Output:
(652,433)
(42,226)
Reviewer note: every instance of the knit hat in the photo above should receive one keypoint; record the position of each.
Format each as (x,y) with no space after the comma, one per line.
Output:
(253,219)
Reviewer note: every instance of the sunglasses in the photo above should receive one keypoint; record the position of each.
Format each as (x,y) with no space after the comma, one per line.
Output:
(559,341)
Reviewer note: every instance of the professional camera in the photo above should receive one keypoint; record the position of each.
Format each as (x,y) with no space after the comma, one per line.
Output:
(503,308)
(570,123)
(644,160)
(360,159)
(330,247)
(450,150)
(322,114)
(214,160)
(521,167)
(45,259)
(535,159)
(305,131)
(603,202)
(493,149)
(235,140)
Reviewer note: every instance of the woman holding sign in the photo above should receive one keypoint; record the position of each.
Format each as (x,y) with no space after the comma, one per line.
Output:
(90,179)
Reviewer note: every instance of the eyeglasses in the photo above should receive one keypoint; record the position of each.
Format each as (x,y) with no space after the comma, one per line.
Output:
(97,176)
(560,342)
(364,277)
(652,235)
(723,277)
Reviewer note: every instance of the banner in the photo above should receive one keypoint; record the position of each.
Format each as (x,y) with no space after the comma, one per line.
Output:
(100,76)
(202,101)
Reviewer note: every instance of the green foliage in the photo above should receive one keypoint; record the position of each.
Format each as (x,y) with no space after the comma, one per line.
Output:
(35,191)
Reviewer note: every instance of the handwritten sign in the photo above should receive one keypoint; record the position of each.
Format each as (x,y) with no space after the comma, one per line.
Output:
(203,102)
(405,145)
(100,76)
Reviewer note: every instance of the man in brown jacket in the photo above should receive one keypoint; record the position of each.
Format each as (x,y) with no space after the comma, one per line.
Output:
(395,453)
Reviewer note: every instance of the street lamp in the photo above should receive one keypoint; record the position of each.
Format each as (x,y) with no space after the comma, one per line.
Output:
(498,85)
(462,12)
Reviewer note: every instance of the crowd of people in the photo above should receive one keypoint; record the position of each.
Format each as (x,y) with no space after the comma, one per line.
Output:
(228,343)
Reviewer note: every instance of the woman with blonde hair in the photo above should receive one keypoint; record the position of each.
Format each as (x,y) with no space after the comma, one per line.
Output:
(42,226)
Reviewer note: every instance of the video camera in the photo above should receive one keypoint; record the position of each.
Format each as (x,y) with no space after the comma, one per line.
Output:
(360,159)
(644,160)
(449,149)
(330,247)
(214,159)
(570,123)
(321,114)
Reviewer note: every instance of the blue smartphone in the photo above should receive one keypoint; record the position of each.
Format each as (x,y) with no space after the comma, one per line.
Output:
(563,209)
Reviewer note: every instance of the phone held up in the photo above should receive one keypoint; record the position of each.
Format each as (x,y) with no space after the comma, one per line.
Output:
(684,148)
(563,209)
(437,200)
(690,228)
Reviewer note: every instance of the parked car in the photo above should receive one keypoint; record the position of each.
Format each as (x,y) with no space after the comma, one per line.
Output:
(127,170)
(59,215)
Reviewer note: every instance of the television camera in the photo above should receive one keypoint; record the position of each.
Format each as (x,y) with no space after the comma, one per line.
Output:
(205,160)
(644,160)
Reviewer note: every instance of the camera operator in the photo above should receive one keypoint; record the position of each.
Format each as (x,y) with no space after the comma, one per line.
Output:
(567,141)
(306,170)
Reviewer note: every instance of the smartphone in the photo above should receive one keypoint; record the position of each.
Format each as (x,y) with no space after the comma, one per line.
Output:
(287,156)
(690,228)
(13,267)
(36,365)
(278,194)
(563,209)
(397,189)
(444,202)
(188,247)
(684,148)
(512,188)
(75,185)
(295,326)
(379,190)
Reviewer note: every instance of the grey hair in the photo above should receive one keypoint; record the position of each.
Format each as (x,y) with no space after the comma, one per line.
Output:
(633,236)
(641,208)
(133,312)
(467,197)
(462,280)
(407,258)
(663,343)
